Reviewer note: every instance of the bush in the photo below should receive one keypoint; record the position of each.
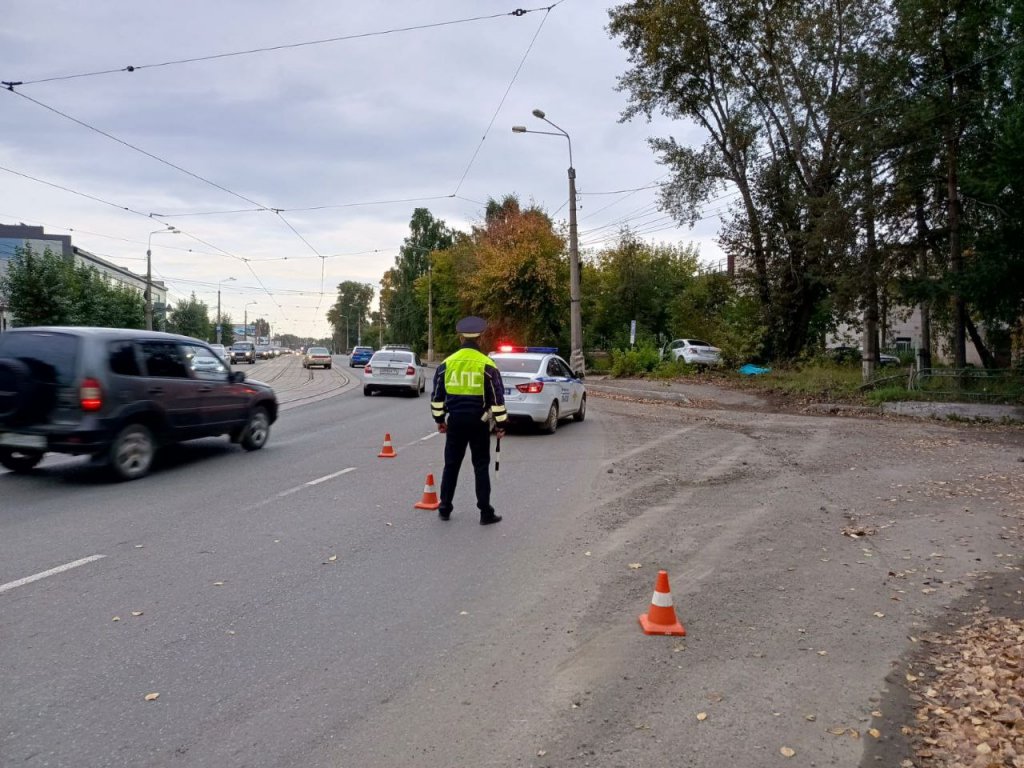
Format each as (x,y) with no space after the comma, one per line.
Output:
(634,362)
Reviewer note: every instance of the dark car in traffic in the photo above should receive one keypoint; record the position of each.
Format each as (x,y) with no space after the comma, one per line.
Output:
(243,352)
(119,395)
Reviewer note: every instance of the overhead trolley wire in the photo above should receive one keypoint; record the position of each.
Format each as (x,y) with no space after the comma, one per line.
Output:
(504,96)
(10,84)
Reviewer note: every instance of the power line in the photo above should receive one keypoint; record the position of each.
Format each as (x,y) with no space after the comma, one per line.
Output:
(283,46)
(504,96)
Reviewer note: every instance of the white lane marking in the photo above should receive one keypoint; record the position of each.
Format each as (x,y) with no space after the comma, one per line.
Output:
(325,478)
(317,481)
(52,572)
(430,436)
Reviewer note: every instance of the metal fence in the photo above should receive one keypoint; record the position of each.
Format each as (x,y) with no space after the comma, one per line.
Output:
(979,384)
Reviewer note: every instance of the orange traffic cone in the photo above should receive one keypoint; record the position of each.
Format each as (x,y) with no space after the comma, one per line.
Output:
(661,618)
(429,500)
(387,452)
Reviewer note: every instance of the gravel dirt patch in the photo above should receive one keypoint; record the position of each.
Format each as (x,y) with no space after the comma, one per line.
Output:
(816,561)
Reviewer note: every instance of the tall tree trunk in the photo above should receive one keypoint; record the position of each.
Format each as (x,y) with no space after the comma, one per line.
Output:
(924,355)
(869,359)
(956,253)
(987,358)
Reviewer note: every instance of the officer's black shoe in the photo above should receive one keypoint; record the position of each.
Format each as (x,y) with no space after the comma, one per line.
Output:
(444,515)
(490,519)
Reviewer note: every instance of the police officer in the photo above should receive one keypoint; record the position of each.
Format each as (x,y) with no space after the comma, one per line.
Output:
(468,390)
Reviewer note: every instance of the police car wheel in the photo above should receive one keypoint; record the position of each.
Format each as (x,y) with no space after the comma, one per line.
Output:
(551,423)
(581,413)
(367,391)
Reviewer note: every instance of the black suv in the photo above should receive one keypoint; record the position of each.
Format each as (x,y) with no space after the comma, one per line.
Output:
(117,395)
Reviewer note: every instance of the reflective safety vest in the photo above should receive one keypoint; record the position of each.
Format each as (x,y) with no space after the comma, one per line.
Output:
(464,372)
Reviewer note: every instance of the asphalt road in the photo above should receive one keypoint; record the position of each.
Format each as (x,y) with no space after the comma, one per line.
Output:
(295,610)
(273,599)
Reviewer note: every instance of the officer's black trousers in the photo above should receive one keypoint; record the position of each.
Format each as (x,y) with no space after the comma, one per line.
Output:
(463,430)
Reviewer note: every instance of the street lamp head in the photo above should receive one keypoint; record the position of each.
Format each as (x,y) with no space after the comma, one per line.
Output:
(539,113)
(518,129)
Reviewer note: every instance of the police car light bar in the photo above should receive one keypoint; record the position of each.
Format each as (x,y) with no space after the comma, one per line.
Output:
(539,350)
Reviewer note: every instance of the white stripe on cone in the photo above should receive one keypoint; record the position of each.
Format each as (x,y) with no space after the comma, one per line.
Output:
(662,599)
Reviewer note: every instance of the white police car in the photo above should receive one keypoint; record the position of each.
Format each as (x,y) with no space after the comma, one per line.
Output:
(539,386)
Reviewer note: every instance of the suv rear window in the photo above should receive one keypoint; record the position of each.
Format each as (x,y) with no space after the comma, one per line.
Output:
(51,356)
(243,345)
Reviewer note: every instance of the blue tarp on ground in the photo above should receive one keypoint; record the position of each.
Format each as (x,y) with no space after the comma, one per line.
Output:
(753,370)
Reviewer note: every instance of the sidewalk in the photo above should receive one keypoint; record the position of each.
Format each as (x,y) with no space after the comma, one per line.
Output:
(711,396)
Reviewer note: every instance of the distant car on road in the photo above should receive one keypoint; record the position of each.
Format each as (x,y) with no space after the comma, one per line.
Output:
(118,395)
(694,352)
(222,352)
(853,355)
(243,352)
(391,370)
(317,356)
(360,356)
(540,387)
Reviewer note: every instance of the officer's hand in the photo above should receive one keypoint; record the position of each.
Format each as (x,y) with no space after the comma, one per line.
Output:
(499,432)
(442,428)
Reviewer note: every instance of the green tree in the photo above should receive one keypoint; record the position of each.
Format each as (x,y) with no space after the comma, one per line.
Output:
(37,287)
(190,317)
(350,311)
(772,89)
(403,308)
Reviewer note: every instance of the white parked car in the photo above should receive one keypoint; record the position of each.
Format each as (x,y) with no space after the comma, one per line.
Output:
(540,387)
(394,370)
(694,352)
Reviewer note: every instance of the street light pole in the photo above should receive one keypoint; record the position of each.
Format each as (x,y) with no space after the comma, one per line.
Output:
(149,273)
(225,280)
(576,361)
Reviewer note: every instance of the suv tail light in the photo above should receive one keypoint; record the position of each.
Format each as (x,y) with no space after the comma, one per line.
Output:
(531,388)
(90,396)
(410,371)
(367,369)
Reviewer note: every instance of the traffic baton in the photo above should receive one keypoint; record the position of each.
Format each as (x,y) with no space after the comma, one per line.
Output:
(497,457)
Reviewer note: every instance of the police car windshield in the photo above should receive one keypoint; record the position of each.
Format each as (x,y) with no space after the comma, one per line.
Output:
(518,364)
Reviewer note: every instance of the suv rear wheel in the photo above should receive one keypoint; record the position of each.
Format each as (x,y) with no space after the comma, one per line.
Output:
(19,461)
(132,452)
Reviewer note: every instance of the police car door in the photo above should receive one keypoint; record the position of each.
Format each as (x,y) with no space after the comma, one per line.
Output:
(558,375)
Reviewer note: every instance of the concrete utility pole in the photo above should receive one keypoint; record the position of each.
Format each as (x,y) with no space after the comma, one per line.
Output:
(430,311)
(245,322)
(576,361)
(225,280)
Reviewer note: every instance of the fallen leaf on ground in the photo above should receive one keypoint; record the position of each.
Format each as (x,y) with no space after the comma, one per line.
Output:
(116,618)
(702,716)
(136,613)
(787,751)
(332,558)
(879,615)
(634,566)
(152,696)
(810,718)
(218,583)
(875,733)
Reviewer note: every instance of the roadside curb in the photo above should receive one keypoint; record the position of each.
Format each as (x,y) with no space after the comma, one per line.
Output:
(671,392)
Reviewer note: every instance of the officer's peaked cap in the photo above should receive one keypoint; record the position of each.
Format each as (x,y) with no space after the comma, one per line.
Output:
(471,326)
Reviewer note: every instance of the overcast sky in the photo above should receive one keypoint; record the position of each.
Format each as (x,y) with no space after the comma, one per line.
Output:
(369,128)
